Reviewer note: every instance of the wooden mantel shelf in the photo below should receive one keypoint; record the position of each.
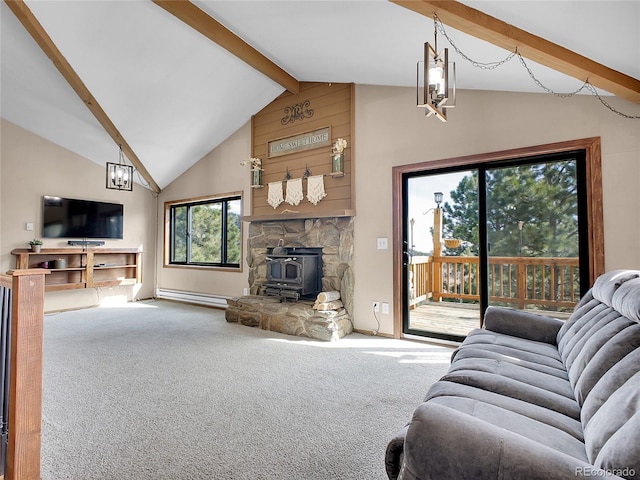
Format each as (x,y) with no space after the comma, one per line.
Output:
(297,216)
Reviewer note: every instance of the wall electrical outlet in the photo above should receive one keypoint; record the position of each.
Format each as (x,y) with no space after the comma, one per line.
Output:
(385,308)
(245,292)
(376,307)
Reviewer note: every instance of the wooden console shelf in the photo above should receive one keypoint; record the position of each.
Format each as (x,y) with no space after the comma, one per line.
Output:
(84,267)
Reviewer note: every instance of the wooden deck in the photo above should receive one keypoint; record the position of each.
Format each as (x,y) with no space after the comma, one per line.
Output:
(445,317)
(453,318)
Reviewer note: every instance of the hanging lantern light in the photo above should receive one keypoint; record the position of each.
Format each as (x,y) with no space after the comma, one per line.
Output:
(119,175)
(438,90)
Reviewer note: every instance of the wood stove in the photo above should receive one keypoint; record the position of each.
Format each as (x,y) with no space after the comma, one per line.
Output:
(294,274)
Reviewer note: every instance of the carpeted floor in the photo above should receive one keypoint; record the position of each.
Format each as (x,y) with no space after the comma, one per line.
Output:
(156,390)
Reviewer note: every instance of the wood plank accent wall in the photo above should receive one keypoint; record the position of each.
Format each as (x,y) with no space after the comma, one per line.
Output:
(333,106)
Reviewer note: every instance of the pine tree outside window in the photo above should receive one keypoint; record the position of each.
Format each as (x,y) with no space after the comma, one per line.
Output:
(206,232)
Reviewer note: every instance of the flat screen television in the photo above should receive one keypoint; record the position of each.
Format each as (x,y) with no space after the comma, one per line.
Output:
(72,218)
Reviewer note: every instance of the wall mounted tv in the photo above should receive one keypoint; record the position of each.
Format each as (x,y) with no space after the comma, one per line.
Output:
(71,218)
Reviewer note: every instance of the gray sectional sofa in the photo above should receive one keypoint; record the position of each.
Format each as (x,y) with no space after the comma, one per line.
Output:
(531,397)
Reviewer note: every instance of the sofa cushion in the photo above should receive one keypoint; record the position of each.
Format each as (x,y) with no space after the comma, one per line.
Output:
(523,425)
(551,417)
(521,324)
(581,330)
(445,443)
(585,307)
(476,353)
(611,381)
(601,353)
(515,372)
(608,283)
(521,349)
(516,389)
(627,301)
(611,436)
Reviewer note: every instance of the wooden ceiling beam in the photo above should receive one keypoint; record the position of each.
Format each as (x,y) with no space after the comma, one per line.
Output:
(485,27)
(203,23)
(44,41)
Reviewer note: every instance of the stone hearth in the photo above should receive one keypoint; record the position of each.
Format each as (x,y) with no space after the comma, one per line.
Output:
(291,318)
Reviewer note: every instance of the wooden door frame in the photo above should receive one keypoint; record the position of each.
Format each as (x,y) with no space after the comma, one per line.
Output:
(593,161)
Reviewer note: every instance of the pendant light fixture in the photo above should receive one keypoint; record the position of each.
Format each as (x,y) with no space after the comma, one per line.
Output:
(119,175)
(438,90)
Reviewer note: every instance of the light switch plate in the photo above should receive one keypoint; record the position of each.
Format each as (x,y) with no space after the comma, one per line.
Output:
(383,243)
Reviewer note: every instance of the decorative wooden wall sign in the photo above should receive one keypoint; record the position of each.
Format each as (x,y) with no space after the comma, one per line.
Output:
(299,143)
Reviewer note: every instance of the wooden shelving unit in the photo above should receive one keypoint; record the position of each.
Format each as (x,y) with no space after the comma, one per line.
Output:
(84,267)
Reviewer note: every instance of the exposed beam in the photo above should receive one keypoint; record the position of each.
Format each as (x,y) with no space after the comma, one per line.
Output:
(35,29)
(218,33)
(490,29)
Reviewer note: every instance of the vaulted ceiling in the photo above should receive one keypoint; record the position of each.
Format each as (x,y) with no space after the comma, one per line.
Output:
(170,89)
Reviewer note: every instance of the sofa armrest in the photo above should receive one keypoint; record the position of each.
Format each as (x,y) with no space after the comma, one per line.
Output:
(521,324)
(393,455)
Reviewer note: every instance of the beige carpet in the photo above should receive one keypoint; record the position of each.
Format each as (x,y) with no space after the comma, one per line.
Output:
(161,390)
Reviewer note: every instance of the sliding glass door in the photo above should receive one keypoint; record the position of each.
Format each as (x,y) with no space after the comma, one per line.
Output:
(511,233)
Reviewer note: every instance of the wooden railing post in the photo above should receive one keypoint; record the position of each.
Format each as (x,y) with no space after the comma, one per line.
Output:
(25,391)
(437,255)
(436,284)
(522,284)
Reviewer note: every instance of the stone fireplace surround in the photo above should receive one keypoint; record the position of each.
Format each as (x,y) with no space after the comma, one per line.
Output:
(335,236)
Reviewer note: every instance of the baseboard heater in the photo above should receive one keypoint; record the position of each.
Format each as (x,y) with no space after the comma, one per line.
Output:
(207,299)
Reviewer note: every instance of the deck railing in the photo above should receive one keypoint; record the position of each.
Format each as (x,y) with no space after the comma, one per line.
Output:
(518,281)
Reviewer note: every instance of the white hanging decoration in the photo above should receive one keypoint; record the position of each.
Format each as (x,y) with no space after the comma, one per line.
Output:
(274,196)
(315,189)
(294,191)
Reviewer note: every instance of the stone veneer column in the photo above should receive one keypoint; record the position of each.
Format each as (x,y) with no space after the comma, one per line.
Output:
(335,237)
